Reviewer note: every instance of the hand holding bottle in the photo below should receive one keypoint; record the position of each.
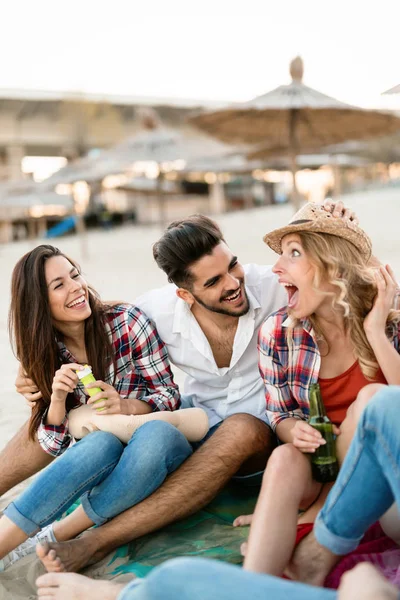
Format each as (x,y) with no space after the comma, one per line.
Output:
(64,382)
(107,401)
(305,438)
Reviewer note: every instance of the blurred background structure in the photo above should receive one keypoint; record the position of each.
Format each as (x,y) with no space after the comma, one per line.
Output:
(73,161)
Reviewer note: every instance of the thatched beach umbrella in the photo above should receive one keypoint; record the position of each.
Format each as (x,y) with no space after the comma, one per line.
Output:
(393,90)
(294,119)
(167,147)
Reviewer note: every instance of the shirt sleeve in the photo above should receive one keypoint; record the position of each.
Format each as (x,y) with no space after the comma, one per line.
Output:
(150,359)
(54,439)
(280,403)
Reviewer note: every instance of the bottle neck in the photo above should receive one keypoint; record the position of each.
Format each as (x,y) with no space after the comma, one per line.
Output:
(317,408)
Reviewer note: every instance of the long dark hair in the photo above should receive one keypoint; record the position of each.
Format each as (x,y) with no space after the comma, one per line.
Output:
(34,337)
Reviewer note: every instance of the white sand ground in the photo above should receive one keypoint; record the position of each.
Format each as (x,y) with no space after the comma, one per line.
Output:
(120,266)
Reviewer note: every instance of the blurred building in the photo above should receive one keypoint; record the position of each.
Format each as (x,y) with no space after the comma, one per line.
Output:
(65,126)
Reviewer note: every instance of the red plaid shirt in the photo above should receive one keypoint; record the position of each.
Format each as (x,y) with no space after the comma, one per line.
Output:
(288,370)
(142,371)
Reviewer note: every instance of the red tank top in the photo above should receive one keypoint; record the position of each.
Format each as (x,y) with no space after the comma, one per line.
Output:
(339,392)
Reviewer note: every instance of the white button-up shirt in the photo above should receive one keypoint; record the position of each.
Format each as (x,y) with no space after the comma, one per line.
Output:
(221,392)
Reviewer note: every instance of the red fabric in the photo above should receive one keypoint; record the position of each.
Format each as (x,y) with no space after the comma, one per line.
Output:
(339,392)
(375,547)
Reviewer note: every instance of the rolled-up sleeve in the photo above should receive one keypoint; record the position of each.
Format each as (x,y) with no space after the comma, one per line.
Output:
(150,359)
(54,439)
(280,403)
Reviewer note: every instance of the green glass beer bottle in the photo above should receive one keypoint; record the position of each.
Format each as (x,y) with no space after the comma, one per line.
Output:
(324,463)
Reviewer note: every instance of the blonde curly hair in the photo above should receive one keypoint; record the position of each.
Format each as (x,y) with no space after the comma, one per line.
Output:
(340,263)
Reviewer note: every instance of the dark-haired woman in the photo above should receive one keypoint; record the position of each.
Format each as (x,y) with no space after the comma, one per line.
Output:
(58,324)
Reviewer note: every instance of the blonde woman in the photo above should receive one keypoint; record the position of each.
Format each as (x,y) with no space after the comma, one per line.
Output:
(338,329)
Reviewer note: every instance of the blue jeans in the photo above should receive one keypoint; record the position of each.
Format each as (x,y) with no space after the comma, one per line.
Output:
(106,474)
(200,579)
(369,480)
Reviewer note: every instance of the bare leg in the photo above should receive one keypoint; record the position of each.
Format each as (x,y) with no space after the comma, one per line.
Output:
(243,520)
(66,529)
(287,485)
(11,536)
(20,459)
(187,490)
(72,525)
(68,586)
(390,523)
(311,562)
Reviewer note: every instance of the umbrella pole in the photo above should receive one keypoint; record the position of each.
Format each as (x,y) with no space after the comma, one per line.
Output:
(336,179)
(295,196)
(161,201)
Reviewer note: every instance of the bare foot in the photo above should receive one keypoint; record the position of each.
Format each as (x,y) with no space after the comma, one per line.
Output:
(49,558)
(311,563)
(365,581)
(71,556)
(243,548)
(69,586)
(243,520)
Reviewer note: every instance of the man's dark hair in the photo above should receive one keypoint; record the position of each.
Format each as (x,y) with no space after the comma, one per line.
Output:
(184,243)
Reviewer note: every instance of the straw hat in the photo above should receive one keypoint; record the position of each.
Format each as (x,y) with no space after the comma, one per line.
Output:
(313,217)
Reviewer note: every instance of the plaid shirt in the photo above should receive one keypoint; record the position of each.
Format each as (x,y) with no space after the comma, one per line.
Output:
(289,370)
(142,371)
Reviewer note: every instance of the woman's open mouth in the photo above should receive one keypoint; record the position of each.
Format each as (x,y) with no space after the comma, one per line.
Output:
(293,294)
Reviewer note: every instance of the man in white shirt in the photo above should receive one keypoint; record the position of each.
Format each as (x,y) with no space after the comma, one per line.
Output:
(209,321)
(221,375)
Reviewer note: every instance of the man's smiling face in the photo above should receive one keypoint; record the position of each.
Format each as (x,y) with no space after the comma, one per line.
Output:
(218,283)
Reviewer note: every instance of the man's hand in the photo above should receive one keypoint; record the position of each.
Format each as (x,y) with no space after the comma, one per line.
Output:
(365,582)
(338,209)
(27,388)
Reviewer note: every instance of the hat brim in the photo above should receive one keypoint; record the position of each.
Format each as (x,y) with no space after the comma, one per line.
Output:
(358,238)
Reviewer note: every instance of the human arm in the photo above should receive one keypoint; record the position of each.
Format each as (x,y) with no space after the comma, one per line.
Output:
(109,402)
(145,380)
(375,322)
(285,415)
(280,403)
(53,433)
(150,360)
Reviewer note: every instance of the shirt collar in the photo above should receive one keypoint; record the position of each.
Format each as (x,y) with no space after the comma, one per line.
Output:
(305,323)
(64,352)
(182,315)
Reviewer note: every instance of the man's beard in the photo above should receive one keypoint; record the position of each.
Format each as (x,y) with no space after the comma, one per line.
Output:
(226,311)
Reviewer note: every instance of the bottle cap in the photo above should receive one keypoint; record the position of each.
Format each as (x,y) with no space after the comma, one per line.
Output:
(84,372)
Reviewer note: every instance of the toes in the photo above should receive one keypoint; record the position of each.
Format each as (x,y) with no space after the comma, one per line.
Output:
(42,549)
(242,520)
(46,593)
(52,555)
(47,580)
(243,549)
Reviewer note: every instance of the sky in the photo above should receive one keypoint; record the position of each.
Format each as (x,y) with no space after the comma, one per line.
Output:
(216,50)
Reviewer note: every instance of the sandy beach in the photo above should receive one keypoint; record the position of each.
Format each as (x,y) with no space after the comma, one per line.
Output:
(121,267)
